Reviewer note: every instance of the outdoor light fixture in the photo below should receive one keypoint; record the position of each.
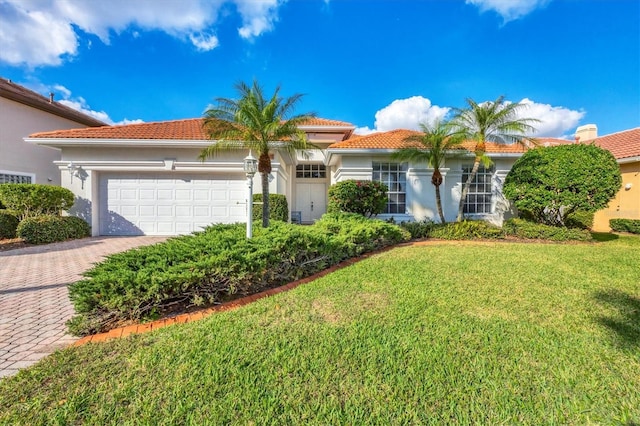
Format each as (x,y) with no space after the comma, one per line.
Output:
(250,168)
(72,170)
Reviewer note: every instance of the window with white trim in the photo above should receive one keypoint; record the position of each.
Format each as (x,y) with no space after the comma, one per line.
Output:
(312,171)
(14,178)
(480,191)
(394,175)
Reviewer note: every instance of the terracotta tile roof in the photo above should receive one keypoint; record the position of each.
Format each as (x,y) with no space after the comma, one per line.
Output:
(395,139)
(621,144)
(189,129)
(325,122)
(17,93)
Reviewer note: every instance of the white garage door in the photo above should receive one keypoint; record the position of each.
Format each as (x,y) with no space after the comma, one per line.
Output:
(169,204)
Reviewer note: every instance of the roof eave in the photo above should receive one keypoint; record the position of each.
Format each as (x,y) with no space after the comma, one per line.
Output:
(627,160)
(141,143)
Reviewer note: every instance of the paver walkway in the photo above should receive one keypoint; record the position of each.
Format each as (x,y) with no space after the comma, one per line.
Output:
(34,302)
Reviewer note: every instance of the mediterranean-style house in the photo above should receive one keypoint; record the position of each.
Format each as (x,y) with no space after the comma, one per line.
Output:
(147,179)
(23,112)
(625,147)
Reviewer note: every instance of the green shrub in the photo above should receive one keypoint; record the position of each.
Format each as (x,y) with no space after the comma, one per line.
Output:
(8,225)
(537,231)
(31,199)
(579,219)
(549,183)
(213,265)
(625,225)
(47,229)
(278,207)
(420,229)
(365,197)
(466,230)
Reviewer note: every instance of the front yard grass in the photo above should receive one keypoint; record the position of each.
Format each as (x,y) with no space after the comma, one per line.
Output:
(484,333)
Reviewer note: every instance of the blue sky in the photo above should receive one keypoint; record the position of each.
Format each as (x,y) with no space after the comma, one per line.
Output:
(379,64)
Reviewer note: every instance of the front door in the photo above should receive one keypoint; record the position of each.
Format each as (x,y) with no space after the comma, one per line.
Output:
(311,201)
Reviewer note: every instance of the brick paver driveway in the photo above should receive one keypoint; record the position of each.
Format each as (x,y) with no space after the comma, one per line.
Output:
(34,302)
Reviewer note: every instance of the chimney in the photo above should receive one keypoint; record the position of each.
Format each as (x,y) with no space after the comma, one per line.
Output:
(51,94)
(586,132)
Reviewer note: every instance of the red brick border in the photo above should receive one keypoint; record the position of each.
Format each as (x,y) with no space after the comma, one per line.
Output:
(194,316)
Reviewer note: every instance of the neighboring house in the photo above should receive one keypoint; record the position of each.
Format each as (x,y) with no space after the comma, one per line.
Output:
(23,112)
(625,146)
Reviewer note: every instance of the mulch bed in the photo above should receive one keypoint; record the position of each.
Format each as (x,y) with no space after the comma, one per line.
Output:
(12,244)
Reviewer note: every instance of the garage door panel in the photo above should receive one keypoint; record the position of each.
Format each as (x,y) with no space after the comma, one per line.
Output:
(169,205)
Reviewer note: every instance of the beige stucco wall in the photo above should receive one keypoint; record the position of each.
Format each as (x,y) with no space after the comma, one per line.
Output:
(18,121)
(626,204)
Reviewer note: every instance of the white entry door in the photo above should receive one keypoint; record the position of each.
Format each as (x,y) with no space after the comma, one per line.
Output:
(311,200)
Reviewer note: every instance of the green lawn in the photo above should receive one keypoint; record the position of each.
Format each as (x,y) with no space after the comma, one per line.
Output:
(460,333)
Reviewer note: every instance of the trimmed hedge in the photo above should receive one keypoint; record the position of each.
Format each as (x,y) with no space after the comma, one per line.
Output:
(625,225)
(32,199)
(420,229)
(47,229)
(214,265)
(278,207)
(467,230)
(530,230)
(8,225)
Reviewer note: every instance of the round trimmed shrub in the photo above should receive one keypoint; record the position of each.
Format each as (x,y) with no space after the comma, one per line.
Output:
(47,229)
(8,225)
(365,197)
(547,184)
(32,199)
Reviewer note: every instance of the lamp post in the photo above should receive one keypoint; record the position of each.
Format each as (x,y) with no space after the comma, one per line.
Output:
(250,168)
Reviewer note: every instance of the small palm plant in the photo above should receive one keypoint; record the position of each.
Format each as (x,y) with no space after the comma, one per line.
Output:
(258,123)
(493,121)
(436,141)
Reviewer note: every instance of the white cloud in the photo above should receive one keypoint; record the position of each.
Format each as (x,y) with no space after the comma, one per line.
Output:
(258,16)
(555,121)
(510,10)
(75,102)
(405,114)
(36,32)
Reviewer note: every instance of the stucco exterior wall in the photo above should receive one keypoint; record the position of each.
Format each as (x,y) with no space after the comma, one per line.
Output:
(18,121)
(626,204)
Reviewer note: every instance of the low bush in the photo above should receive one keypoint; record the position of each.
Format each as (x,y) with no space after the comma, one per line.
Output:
(8,225)
(625,225)
(278,207)
(47,229)
(216,264)
(530,230)
(420,229)
(579,220)
(31,199)
(466,230)
(365,197)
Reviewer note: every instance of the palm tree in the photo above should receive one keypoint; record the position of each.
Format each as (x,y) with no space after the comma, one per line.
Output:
(256,123)
(492,121)
(435,142)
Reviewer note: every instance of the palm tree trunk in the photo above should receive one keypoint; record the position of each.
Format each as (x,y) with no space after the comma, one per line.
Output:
(467,185)
(265,199)
(439,204)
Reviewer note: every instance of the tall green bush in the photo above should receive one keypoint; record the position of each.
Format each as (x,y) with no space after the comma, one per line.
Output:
(365,197)
(278,207)
(8,225)
(32,199)
(549,183)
